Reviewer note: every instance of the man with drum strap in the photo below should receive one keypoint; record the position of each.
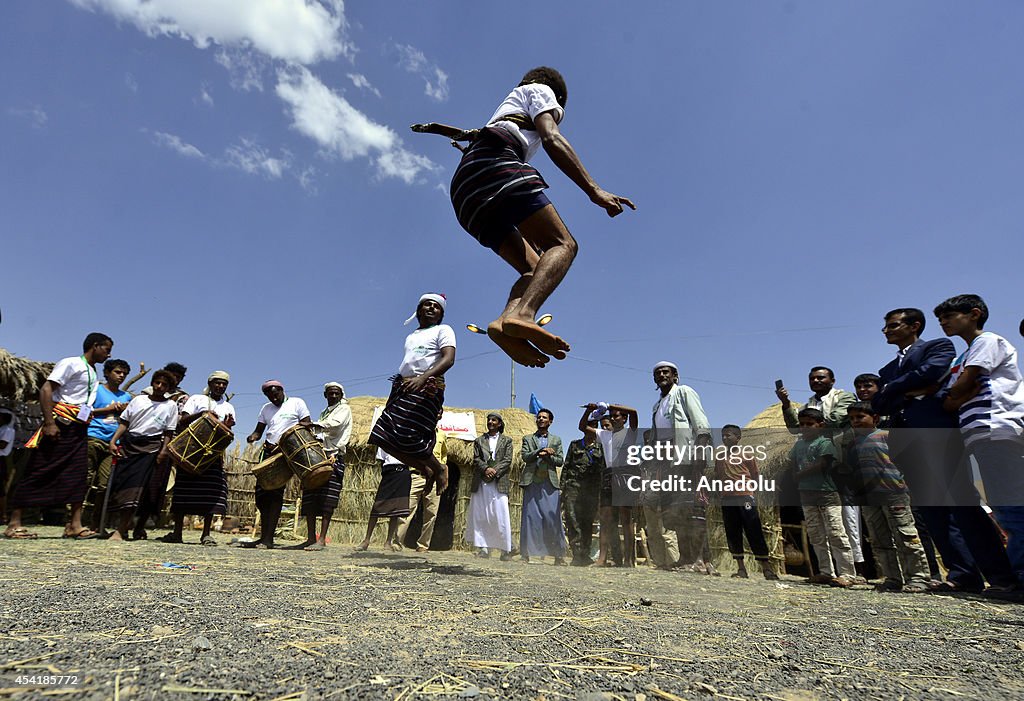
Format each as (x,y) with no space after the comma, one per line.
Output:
(406,428)
(205,493)
(278,415)
(335,428)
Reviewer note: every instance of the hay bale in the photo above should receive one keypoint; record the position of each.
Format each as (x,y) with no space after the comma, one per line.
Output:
(362,474)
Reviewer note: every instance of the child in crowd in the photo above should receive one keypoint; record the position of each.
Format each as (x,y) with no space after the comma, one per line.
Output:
(145,428)
(739,507)
(886,505)
(985,388)
(812,457)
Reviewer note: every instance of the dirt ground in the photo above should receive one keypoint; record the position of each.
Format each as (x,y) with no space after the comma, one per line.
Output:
(288,624)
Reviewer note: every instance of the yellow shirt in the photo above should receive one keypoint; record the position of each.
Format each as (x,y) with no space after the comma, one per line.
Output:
(441,447)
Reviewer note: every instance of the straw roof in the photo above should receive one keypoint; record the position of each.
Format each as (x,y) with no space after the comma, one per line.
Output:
(21,378)
(518,423)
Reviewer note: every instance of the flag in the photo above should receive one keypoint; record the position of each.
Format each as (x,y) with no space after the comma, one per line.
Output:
(535,404)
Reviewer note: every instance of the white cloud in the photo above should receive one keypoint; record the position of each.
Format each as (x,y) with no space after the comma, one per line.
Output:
(326,117)
(129,80)
(245,68)
(415,61)
(35,115)
(363,83)
(204,94)
(252,158)
(177,144)
(301,31)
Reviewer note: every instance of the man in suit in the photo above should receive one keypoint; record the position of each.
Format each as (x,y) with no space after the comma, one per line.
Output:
(541,532)
(488,525)
(926,443)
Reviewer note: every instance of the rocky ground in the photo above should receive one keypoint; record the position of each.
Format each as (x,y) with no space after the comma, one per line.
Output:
(288,624)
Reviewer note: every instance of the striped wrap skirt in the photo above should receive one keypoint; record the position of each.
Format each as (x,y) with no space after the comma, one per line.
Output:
(57,470)
(203,494)
(323,500)
(408,423)
(494,189)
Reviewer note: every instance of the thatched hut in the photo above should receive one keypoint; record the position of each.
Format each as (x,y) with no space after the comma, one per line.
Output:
(767,429)
(20,380)
(362,475)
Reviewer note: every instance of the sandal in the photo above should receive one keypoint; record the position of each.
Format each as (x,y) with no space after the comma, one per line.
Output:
(170,538)
(20,534)
(315,547)
(208,541)
(915,588)
(83,534)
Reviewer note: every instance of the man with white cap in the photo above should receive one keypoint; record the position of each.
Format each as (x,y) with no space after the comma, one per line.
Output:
(406,428)
(205,494)
(679,417)
(278,415)
(334,427)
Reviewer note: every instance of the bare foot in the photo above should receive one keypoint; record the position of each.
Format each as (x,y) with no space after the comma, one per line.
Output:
(363,547)
(520,350)
(116,535)
(528,330)
(315,546)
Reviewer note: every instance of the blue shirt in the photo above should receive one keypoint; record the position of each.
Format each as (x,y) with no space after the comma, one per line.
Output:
(103,427)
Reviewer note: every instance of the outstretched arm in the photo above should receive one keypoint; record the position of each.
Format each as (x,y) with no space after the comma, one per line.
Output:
(564,156)
(445,130)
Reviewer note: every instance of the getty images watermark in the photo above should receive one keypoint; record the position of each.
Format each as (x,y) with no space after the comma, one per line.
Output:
(667,454)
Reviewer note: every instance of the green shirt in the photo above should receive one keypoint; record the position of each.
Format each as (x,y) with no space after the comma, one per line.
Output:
(804,454)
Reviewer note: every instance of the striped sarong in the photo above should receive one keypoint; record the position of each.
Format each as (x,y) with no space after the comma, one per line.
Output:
(63,414)
(393,492)
(131,473)
(57,471)
(201,495)
(323,500)
(409,421)
(492,169)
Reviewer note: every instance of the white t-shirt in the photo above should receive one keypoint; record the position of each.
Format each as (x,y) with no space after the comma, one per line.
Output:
(280,419)
(77,380)
(203,402)
(423,349)
(7,434)
(615,445)
(997,412)
(532,100)
(148,418)
(387,458)
(662,420)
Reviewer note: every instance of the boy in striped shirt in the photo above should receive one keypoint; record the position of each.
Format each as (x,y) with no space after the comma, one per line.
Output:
(985,388)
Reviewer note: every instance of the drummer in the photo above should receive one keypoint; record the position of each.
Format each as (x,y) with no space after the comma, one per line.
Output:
(335,428)
(205,494)
(278,415)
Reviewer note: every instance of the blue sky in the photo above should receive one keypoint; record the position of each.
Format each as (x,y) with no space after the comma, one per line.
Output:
(233,185)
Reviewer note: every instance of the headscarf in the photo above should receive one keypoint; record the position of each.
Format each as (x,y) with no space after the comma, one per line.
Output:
(665,364)
(270,383)
(219,375)
(501,421)
(432,296)
(334,384)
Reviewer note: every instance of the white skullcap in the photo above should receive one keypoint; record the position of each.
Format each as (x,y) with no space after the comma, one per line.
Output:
(665,364)
(328,385)
(433,296)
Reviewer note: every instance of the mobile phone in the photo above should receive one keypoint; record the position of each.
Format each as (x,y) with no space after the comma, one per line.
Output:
(778,385)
